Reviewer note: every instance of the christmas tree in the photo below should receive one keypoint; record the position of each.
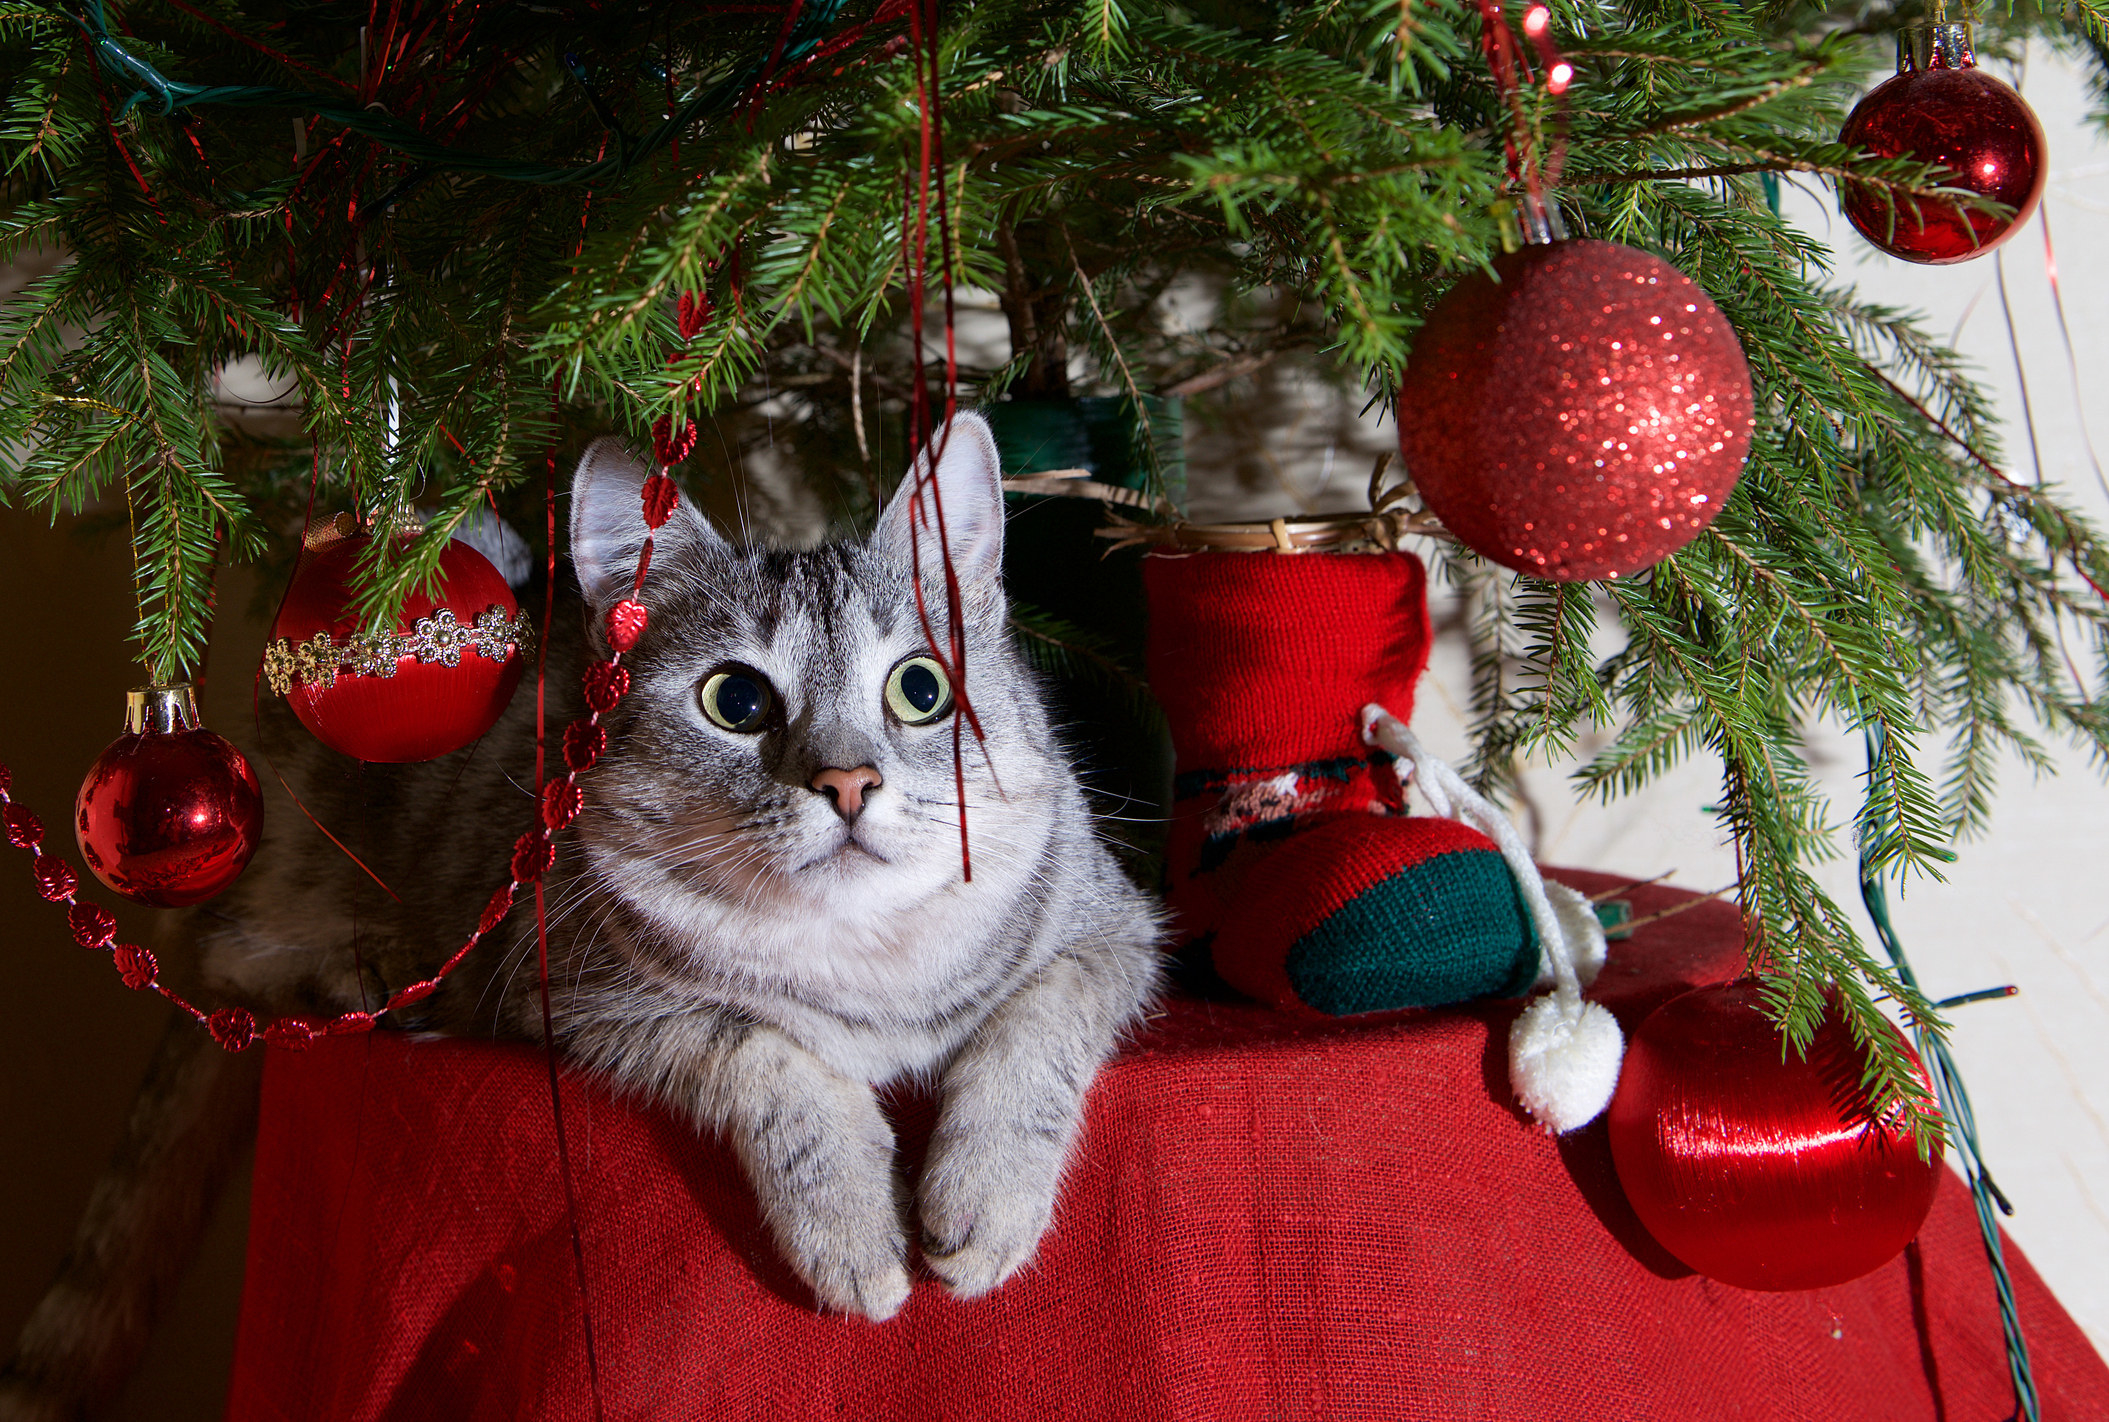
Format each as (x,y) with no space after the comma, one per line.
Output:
(472,234)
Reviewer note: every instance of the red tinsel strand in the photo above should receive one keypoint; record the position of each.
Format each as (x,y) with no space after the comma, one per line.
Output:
(922,34)
(102,95)
(564,792)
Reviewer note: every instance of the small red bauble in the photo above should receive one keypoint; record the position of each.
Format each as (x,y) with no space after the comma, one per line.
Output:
(436,683)
(170,813)
(1584,416)
(1943,110)
(1756,1166)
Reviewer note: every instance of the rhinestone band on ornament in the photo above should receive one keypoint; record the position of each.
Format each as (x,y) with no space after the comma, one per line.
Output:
(440,638)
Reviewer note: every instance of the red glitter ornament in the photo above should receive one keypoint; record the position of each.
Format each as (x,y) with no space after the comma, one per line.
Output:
(436,683)
(1941,109)
(1584,416)
(1754,1165)
(170,813)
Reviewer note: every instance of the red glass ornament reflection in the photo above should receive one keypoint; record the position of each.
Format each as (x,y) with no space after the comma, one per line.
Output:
(1584,416)
(407,701)
(1941,109)
(170,813)
(1761,1169)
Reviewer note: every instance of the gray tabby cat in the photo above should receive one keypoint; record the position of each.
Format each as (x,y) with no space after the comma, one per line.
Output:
(761,915)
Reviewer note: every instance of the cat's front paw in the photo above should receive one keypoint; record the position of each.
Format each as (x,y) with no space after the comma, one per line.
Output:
(983,1216)
(847,1239)
(857,1275)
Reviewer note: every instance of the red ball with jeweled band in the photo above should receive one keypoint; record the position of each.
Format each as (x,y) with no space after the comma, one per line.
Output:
(1583,413)
(1758,1165)
(1941,109)
(170,813)
(435,683)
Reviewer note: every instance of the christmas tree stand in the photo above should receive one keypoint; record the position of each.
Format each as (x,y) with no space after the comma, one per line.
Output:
(1267,1218)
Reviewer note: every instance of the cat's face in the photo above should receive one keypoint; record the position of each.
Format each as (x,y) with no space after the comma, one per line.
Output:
(788,742)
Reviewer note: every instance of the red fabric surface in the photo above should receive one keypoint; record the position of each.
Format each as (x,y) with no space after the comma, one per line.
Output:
(1268,1218)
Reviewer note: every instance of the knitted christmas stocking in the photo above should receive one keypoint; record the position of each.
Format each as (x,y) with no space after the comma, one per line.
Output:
(1292,860)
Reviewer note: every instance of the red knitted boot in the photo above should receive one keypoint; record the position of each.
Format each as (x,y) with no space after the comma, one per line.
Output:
(1292,861)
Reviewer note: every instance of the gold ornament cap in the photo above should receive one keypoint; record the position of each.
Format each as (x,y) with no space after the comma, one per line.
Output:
(1940,44)
(161,710)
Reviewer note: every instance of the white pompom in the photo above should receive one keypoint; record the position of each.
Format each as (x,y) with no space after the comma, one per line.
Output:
(1563,1062)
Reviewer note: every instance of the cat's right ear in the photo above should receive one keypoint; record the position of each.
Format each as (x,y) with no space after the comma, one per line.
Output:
(607,521)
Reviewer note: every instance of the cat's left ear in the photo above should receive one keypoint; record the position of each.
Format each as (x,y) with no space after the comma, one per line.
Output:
(968,476)
(607,521)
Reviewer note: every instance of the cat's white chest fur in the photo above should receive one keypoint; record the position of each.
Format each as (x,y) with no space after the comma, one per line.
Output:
(878,971)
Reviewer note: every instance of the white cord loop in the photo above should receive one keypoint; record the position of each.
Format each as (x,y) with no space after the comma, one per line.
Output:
(1564,1053)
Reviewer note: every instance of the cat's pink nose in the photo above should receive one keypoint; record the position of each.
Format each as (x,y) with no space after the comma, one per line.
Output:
(846,788)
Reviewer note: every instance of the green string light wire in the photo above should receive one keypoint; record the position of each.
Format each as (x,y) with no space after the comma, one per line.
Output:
(172,96)
(1954,1101)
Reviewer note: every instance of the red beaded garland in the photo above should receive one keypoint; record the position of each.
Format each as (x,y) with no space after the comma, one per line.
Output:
(532,856)
(660,496)
(673,445)
(24,829)
(583,743)
(1583,416)
(561,801)
(290,1033)
(93,925)
(234,1028)
(1943,110)
(494,912)
(606,683)
(136,965)
(1754,1165)
(626,623)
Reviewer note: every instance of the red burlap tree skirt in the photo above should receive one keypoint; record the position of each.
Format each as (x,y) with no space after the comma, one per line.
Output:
(1268,1219)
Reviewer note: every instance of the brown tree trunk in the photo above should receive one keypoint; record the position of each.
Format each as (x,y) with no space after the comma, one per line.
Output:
(1035,301)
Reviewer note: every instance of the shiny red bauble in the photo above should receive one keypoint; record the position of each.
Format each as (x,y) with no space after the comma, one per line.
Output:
(1756,1166)
(1941,109)
(1583,416)
(170,813)
(435,683)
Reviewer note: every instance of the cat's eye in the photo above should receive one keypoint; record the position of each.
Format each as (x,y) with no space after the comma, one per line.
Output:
(918,692)
(737,698)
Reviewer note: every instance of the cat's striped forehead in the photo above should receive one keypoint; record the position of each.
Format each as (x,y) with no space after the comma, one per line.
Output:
(821,603)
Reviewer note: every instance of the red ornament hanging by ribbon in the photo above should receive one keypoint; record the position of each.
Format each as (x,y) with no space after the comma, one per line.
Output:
(1754,1165)
(1942,109)
(434,684)
(1583,416)
(168,815)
